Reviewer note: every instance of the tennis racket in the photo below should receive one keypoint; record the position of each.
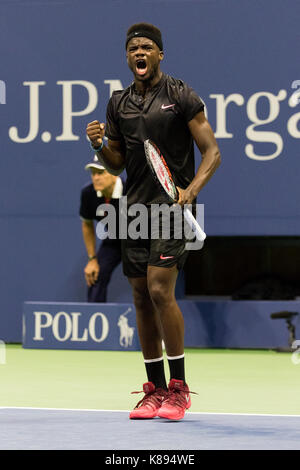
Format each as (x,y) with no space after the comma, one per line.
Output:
(163,177)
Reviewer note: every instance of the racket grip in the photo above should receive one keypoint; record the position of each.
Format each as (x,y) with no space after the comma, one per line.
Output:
(200,234)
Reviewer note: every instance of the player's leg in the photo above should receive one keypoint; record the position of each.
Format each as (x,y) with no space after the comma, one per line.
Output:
(109,256)
(149,329)
(150,332)
(161,286)
(148,322)
(135,254)
(167,257)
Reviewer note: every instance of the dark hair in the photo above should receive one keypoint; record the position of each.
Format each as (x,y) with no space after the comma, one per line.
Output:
(146,30)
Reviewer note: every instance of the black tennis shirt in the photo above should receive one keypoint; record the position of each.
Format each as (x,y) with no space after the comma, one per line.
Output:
(163,117)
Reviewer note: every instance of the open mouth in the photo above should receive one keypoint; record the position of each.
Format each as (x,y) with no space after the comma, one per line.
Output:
(141,67)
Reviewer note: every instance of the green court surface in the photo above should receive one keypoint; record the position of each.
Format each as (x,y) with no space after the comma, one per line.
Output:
(226,381)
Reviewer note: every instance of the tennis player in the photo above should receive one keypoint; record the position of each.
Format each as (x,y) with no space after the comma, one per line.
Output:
(167,111)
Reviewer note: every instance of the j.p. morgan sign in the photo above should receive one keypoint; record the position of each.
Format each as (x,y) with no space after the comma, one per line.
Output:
(79,326)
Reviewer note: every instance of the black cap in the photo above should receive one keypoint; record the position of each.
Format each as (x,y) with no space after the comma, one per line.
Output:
(145,33)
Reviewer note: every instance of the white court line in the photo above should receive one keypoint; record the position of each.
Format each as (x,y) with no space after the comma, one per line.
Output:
(128,411)
(59,409)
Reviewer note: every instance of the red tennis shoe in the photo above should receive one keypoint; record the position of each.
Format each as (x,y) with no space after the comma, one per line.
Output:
(177,402)
(148,406)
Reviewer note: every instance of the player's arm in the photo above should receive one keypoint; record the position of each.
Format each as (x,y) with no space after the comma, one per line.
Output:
(91,271)
(211,158)
(113,154)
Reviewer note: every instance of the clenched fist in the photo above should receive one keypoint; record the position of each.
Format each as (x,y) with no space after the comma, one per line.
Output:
(95,132)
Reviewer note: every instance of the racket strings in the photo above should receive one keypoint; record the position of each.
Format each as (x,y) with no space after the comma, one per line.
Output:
(162,172)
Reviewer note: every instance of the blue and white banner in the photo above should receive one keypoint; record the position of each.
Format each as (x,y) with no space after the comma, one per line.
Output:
(80,326)
(220,324)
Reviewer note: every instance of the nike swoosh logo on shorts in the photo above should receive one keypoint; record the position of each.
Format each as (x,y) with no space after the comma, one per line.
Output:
(166,257)
(163,106)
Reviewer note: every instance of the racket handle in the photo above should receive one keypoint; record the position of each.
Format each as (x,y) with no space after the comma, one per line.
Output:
(200,235)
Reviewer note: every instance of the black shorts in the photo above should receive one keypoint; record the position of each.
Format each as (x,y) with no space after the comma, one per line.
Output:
(138,254)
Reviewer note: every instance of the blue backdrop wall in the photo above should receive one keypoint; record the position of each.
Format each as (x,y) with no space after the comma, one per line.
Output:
(61,60)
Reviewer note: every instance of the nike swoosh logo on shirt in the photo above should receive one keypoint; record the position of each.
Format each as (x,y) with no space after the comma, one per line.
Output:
(166,257)
(163,106)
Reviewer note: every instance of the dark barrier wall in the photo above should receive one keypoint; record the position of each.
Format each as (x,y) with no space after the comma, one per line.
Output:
(61,60)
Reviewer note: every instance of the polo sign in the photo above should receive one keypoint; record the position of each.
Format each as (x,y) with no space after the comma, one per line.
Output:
(96,326)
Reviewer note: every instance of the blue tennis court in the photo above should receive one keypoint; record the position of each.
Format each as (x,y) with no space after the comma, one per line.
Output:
(53,429)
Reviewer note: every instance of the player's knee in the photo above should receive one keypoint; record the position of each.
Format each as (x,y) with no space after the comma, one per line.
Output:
(140,296)
(159,293)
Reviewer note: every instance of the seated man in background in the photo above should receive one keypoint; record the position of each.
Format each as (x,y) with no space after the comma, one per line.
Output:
(104,189)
